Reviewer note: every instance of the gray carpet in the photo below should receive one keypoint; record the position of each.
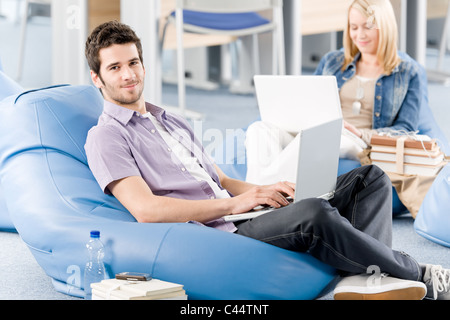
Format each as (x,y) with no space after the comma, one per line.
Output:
(21,278)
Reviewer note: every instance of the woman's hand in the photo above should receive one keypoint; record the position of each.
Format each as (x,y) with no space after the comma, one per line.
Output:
(352,129)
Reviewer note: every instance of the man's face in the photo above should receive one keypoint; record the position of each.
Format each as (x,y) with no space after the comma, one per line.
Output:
(121,76)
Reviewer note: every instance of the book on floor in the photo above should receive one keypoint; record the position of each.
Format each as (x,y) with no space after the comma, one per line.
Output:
(137,290)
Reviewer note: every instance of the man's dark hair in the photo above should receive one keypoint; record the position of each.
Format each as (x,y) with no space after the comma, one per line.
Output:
(108,34)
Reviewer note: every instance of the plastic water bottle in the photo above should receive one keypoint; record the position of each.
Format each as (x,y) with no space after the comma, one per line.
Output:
(95,267)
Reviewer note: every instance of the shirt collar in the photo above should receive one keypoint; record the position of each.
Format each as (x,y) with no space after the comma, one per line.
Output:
(353,63)
(124,115)
(358,55)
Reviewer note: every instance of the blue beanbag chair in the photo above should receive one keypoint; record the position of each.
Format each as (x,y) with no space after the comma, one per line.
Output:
(8,87)
(54,201)
(433,219)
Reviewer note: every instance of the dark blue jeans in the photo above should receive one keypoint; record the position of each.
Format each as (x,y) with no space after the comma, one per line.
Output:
(350,232)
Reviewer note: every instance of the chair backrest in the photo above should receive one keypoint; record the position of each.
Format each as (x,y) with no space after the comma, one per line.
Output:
(228,6)
(53,126)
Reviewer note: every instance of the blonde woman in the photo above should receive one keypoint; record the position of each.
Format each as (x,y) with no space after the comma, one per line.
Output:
(380,88)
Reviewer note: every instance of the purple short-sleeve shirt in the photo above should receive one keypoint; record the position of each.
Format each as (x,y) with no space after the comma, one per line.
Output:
(125,144)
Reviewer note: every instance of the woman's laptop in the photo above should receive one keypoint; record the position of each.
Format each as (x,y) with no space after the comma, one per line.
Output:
(317,166)
(293,103)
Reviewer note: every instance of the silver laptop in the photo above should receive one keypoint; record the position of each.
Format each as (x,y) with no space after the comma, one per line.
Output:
(293,103)
(317,166)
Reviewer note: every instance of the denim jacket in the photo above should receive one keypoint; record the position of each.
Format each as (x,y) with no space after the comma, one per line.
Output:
(398,97)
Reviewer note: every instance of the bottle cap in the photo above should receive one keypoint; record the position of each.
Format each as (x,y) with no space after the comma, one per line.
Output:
(95,234)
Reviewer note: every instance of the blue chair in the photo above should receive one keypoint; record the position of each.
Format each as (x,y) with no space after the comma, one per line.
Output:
(54,201)
(433,219)
(232,17)
(8,87)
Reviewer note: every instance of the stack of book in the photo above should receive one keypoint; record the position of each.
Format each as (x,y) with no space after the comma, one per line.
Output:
(410,156)
(114,289)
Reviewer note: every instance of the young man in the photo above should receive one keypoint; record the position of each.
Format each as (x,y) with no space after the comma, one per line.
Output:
(151,161)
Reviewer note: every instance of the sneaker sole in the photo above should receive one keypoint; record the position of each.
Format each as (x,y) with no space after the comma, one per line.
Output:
(415,293)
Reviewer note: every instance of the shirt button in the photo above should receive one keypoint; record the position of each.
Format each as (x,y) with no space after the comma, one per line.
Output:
(183,169)
(168,149)
(153,131)
(378,97)
(379,84)
(377,114)
(212,197)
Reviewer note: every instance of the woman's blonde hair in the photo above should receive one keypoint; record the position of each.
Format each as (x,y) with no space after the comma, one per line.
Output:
(381,14)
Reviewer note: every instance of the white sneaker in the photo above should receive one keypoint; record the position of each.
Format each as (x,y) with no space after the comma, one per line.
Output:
(437,280)
(381,287)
